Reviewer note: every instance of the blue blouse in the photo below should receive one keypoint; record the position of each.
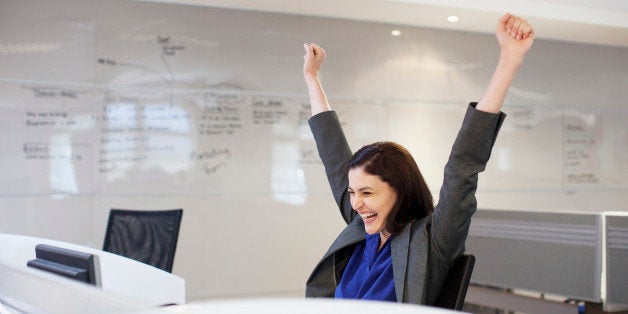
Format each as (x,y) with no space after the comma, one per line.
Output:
(369,273)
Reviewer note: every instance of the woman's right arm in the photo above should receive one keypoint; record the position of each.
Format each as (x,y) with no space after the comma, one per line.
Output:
(330,139)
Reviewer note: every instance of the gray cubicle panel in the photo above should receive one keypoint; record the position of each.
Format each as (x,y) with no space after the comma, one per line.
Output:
(557,253)
(617,260)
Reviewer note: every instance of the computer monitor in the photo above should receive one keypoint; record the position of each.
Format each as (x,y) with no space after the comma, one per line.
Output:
(68,263)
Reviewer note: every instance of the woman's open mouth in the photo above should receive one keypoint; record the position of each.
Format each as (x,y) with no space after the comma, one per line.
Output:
(368,218)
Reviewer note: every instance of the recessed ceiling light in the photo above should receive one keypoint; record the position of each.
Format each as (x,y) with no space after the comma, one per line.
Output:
(396,32)
(453,19)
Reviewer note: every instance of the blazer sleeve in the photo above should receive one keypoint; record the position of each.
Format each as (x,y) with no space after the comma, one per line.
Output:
(457,203)
(335,153)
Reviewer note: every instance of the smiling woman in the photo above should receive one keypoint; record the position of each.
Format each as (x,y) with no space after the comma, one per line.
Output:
(397,246)
(373,199)
(385,182)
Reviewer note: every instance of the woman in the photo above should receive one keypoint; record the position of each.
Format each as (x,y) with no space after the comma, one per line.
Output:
(397,246)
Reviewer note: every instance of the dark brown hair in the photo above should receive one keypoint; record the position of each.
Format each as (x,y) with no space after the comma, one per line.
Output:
(394,165)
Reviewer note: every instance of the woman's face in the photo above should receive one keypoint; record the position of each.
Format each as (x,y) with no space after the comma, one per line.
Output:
(372,198)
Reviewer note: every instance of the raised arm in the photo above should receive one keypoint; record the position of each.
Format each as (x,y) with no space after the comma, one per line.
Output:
(313,59)
(515,36)
(472,148)
(330,139)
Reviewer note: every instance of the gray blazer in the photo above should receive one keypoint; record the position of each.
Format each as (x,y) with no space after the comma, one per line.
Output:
(424,250)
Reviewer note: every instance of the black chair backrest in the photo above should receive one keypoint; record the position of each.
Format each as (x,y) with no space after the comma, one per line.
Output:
(146,236)
(455,288)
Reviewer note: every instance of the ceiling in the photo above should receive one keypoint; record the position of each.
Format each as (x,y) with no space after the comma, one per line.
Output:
(602,22)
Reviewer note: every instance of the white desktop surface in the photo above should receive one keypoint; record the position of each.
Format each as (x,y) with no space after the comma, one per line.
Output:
(28,290)
(298,305)
(117,274)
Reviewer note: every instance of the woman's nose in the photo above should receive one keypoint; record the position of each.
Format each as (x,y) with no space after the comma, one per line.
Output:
(357,203)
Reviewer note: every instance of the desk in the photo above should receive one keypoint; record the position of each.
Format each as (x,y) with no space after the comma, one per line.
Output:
(119,278)
(301,306)
(27,290)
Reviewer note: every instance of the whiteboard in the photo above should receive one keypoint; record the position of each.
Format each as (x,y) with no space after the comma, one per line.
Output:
(537,150)
(595,143)
(47,140)
(113,142)
(121,142)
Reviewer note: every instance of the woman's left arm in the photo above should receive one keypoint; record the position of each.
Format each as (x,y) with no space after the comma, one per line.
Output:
(515,36)
(472,149)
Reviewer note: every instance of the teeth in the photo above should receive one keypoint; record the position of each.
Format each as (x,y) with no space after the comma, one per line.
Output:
(368,216)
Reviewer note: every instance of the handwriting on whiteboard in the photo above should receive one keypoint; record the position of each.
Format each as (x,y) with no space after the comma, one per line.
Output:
(580,149)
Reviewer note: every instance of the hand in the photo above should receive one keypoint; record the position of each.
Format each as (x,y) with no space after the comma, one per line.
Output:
(313,59)
(515,36)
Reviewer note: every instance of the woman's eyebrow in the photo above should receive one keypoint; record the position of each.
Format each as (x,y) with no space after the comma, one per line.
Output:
(361,189)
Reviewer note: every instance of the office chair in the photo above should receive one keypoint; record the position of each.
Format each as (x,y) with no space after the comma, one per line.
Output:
(455,288)
(146,236)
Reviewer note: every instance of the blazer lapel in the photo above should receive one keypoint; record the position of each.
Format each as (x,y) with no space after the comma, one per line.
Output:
(399,248)
(410,260)
(353,233)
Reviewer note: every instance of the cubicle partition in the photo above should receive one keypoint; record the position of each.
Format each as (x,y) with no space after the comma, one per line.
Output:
(617,260)
(556,253)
